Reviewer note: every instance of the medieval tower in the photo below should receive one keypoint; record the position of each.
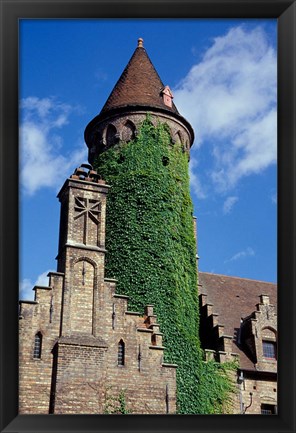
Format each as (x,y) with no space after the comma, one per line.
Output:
(83,331)
(117,329)
(139,143)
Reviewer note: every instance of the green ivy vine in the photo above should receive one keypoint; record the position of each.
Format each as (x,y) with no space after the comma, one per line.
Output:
(151,251)
(116,405)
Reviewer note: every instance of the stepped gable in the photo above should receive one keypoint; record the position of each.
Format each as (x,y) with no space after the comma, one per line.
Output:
(138,85)
(233,298)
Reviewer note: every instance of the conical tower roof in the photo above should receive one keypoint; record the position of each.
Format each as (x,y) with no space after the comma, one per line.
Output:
(138,85)
(138,91)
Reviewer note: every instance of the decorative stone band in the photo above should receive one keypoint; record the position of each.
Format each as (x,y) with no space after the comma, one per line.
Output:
(122,124)
(83,340)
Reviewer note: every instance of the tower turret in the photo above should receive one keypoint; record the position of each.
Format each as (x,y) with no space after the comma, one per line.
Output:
(82,248)
(140,145)
(138,91)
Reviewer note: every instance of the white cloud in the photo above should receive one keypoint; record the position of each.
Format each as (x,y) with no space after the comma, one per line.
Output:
(26,285)
(274,198)
(25,289)
(241,255)
(42,163)
(229,203)
(230,100)
(195,182)
(42,279)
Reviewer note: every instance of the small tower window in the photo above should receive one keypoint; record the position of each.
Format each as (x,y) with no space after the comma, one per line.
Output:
(121,350)
(37,346)
(128,132)
(111,135)
(165,160)
(179,137)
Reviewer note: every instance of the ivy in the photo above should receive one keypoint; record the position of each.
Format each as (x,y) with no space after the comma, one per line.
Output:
(116,405)
(151,251)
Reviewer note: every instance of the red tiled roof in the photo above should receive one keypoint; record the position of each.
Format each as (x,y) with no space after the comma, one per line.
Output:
(139,84)
(234,298)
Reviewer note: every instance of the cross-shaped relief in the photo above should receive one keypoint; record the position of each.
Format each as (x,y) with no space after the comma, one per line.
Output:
(89,210)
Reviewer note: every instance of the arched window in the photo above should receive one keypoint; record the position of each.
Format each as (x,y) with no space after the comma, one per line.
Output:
(121,350)
(37,346)
(111,135)
(128,132)
(179,137)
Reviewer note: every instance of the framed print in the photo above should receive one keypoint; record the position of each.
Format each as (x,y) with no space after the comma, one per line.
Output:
(162,304)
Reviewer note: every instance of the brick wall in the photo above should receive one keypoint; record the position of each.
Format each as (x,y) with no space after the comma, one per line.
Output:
(82,320)
(263,390)
(256,376)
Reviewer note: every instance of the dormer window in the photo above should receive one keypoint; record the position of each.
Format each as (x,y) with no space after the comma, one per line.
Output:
(167,96)
(269,349)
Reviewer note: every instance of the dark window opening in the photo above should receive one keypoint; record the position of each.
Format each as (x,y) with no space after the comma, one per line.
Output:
(121,350)
(121,159)
(269,349)
(37,346)
(111,135)
(165,160)
(268,409)
(128,132)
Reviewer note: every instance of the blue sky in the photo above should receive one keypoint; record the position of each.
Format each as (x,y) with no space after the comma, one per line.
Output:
(223,77)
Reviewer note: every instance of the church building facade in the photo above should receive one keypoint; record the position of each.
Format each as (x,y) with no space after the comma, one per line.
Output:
(81,349)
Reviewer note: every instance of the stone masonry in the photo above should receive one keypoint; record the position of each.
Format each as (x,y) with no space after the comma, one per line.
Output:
(81,350)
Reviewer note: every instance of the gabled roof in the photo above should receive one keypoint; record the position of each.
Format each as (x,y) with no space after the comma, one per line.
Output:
(139,84)
(234,298)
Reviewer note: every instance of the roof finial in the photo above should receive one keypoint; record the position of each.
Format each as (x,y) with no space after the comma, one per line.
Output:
(140,43)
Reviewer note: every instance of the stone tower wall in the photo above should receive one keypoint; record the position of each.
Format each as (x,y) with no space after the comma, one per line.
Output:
(126,126)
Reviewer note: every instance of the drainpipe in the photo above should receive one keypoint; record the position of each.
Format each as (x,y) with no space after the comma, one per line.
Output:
(251,401)
(240,381)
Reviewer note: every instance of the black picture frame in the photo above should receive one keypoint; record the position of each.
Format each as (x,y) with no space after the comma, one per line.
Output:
(11,11)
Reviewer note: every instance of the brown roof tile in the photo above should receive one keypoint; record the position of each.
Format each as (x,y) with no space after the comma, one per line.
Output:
(139,84)
(234,298)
